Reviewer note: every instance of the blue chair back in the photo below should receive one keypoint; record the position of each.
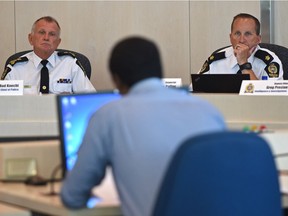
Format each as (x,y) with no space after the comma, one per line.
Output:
(221,174)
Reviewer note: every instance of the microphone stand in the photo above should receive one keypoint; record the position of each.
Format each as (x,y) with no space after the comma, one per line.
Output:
(52,191)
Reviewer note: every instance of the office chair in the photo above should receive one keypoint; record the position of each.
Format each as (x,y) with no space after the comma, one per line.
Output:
(280,51)
(81,57)
(221,174)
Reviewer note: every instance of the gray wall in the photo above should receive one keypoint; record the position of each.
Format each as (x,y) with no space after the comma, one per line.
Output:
(186,31)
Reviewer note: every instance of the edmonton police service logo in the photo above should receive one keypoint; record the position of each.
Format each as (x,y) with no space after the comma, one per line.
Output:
(273,70)
(249,88)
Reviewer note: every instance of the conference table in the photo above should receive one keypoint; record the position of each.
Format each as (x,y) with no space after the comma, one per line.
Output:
(36,116)
(39,201)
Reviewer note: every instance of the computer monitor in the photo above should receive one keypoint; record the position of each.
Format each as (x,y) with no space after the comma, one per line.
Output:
(74,112)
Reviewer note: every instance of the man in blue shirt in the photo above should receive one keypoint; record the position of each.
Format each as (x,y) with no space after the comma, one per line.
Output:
(138,134)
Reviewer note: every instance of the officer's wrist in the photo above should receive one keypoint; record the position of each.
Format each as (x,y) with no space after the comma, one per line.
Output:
(245,66)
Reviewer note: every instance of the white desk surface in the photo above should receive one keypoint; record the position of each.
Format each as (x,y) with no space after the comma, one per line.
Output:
(284,188)
(35,199)
(278,141)
(240,111)
(31,197)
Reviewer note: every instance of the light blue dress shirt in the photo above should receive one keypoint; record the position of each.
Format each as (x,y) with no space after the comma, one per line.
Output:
(136,136)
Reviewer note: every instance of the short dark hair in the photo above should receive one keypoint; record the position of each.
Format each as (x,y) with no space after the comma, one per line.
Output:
(134,59)
(249,16)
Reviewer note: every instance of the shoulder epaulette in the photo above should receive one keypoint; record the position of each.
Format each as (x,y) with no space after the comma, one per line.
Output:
(264,56)
(12,63)
(212,58)
(272,68)
(216,57)
(20,59)
(67,53)
(6,71)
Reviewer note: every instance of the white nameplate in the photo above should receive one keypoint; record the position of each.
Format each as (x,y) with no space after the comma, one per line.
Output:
(264,87)
(172,82)
(11,87)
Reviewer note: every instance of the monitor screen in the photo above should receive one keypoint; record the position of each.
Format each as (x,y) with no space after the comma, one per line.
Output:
(74,112)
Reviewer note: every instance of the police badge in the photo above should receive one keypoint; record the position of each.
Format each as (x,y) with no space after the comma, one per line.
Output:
(249,88)
(273,70)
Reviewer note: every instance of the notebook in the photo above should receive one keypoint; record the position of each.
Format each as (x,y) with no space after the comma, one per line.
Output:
(218,83)
(74,112)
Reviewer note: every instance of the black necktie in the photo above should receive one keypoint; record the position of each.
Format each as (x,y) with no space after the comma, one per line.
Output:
(44,79)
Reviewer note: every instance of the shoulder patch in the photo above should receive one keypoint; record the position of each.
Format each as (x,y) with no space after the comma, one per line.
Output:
(6,71)
(81,66)
(66,53)
(20,59)
(205,67)
(272,70)
(264,56)
(212,58)
(12,63)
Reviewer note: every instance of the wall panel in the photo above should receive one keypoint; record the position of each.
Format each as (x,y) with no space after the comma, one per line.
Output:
(186,31)
(280,23)
(92,27)
(7,36)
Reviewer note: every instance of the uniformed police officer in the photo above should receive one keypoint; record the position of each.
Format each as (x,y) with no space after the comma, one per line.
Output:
(65,73)
(245,55)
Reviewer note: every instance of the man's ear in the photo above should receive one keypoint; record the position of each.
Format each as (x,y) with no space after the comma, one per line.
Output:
(30,39)
(260,38)
(59,41)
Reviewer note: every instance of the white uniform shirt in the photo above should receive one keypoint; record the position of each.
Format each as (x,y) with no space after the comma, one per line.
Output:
(65,75)
(229,65)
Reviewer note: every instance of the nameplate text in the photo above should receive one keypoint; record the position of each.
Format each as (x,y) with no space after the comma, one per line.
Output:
(264,87)
(11,87)
(172,82)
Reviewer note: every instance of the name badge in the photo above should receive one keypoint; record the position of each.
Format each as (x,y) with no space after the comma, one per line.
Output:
(172,82)
(11,87)
(264,87)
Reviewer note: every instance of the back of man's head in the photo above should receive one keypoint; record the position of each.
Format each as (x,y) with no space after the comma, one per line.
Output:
(134,59)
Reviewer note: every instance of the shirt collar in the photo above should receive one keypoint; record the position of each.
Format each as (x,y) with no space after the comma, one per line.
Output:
(51,59)
(147,85)
(230,55)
